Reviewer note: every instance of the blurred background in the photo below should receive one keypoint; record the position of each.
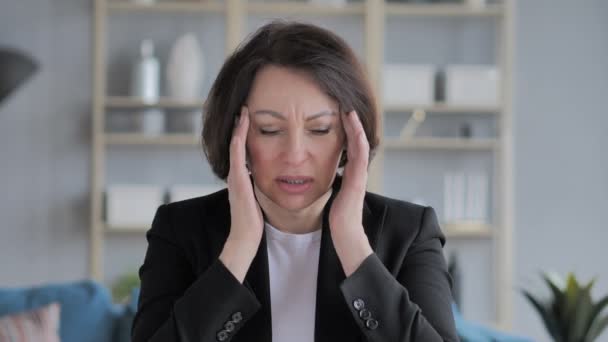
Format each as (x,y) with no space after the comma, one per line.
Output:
(493,112)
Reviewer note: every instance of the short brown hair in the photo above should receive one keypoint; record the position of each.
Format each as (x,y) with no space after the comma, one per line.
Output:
(317,51)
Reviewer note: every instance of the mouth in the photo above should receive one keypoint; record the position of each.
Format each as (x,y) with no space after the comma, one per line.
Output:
(294,184)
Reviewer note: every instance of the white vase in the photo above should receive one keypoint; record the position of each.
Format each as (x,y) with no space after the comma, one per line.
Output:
(145,78)
(151,121)
(185,69)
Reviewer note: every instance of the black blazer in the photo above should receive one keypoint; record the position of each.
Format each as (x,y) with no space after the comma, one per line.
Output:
(401,292)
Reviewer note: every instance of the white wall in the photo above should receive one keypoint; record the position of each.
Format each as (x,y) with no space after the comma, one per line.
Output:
(561,137)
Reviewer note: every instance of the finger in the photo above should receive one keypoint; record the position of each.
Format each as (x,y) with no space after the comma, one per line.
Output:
(358,153)
(359,139)
(348,129)
(357,144)
(237,145)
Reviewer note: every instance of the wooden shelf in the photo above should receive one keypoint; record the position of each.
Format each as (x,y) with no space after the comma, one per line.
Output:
(467,230)
(443,108)
(441,143)
(119,102)
(447,10)
(164,7)
(175,139)
(287,7)
(126,229)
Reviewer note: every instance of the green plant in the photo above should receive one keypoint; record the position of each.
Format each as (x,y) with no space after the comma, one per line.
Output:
(121,290)
(570,315)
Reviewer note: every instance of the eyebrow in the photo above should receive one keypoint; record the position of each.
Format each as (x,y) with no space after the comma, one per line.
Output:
(282,117)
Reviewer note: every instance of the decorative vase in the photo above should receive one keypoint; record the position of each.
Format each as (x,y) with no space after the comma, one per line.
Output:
(185,69)
(145,86)
(145,78)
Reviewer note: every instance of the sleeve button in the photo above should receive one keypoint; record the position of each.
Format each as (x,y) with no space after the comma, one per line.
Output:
(359,304)
(365,314)
(237,317)
(229,326)
(371,324)
(222,335)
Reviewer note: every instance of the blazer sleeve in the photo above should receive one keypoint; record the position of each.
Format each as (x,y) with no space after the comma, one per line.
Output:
(415,305)
(175,304)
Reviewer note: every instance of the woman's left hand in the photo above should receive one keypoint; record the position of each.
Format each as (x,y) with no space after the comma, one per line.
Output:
(346,212)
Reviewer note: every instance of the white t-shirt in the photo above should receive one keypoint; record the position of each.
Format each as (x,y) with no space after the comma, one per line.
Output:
(293,261)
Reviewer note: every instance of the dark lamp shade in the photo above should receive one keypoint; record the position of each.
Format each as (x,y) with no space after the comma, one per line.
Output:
(15,68)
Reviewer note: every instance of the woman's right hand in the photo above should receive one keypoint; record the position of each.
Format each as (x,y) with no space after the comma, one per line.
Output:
(247,222)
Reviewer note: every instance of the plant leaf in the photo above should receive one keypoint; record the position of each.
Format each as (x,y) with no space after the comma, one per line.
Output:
(582,313)
(547,316)
(597,309)
(555,284)
(569,307)
(596,328)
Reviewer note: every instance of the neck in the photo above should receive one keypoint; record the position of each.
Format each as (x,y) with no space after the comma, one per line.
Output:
(299,221)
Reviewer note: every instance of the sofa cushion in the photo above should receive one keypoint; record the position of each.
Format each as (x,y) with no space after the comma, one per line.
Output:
(39,325)
(87,312)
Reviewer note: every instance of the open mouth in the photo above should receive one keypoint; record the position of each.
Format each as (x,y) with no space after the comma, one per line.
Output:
(294,184)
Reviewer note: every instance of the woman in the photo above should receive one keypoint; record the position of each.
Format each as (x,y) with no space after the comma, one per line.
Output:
(294,249)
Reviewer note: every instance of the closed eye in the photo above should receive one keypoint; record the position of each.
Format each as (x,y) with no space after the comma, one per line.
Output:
(320,131)
(269,132)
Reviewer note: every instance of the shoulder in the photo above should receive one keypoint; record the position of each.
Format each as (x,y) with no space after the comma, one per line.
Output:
(209,202)
(402,220)
(190,215)
(394,208)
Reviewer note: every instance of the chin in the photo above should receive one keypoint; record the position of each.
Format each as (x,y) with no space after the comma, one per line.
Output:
(291,202)
(294,202)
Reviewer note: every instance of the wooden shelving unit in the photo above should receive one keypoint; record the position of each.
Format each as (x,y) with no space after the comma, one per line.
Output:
(467,230)
(290,8)
(374,14)
(444,109)
(141,139)
(443,10)
(164,7)
(125,102)
(441,143)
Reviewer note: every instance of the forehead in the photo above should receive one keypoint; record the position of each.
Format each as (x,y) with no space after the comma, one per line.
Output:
(288,90)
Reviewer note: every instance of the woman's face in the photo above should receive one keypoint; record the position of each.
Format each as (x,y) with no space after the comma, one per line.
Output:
(295,138)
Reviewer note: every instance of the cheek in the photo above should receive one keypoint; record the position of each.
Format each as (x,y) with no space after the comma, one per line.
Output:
(260,150)
(328,150)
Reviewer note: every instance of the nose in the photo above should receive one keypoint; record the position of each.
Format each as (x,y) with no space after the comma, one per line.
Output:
(295,149)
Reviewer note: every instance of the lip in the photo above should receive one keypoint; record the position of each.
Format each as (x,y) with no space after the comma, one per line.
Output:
(294,189)
(291,178)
